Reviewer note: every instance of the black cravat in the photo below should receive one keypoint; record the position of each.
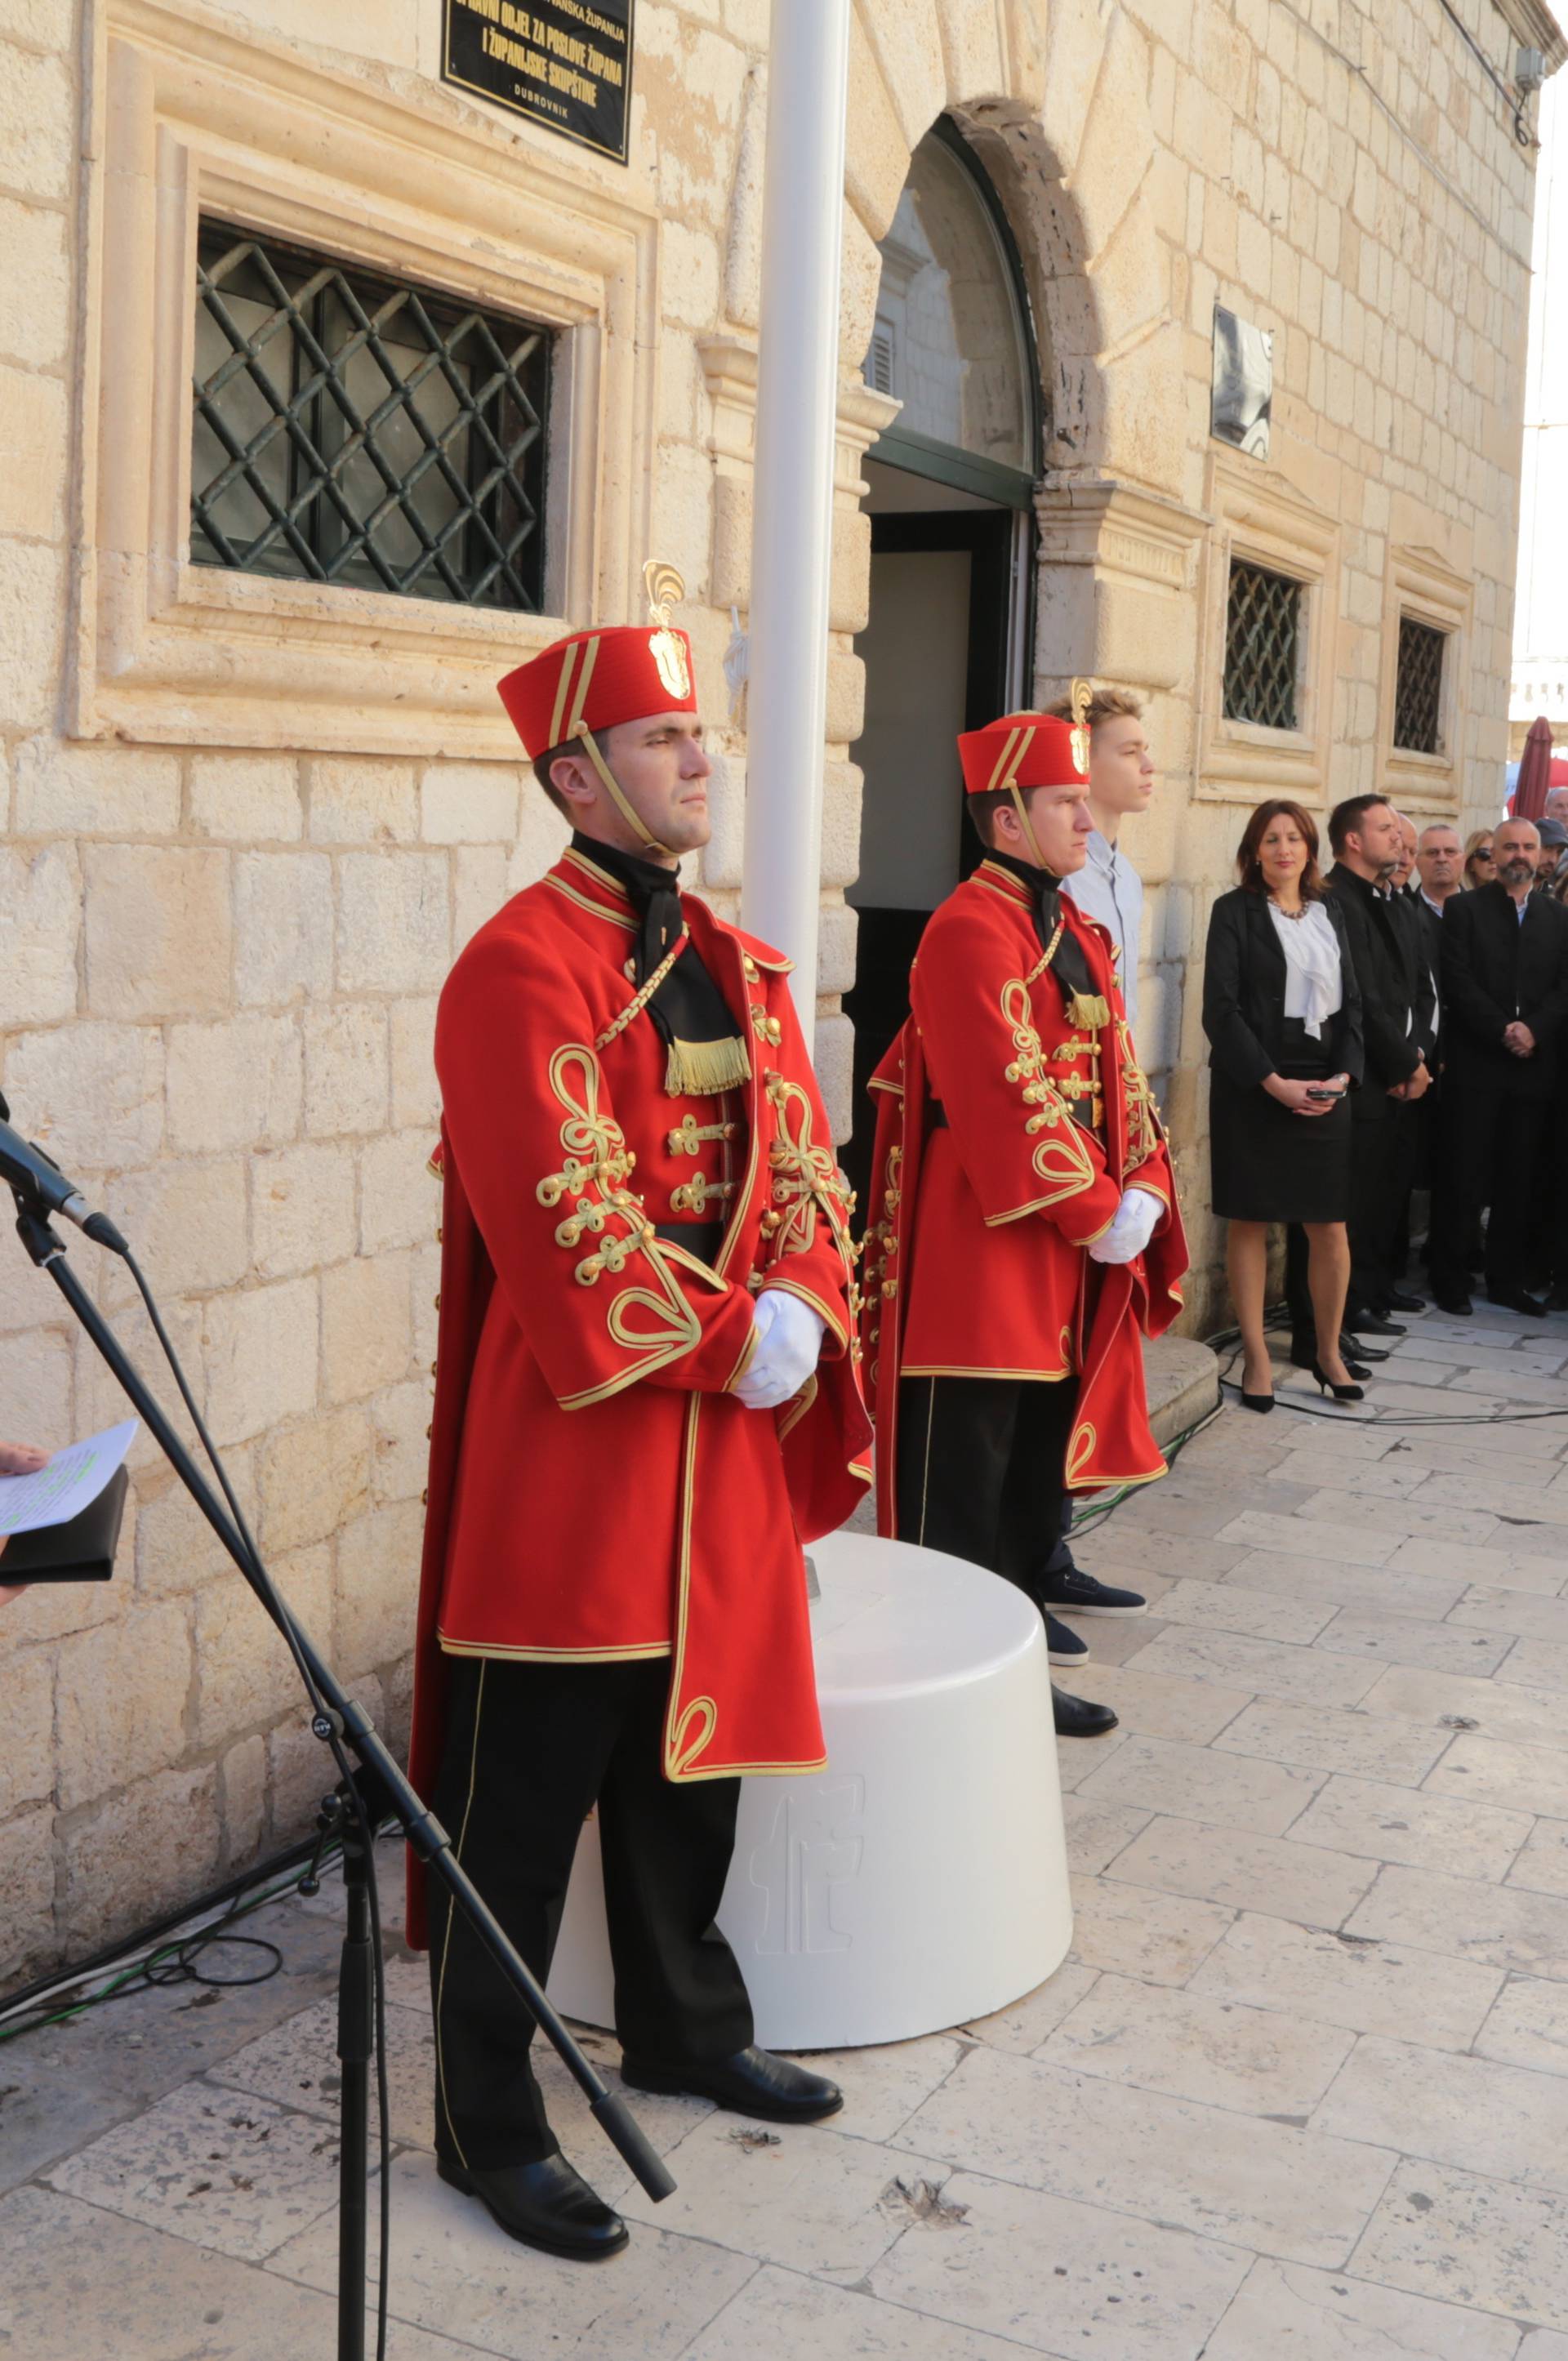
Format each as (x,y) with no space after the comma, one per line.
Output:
(1068,965)
(687,1007)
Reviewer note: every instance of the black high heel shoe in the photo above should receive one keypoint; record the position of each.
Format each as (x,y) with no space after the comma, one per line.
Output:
(1260,1402)
(1339,1393)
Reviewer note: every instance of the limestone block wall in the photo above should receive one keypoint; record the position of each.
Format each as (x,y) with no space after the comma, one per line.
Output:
(219,997)
(248,826)
(1347,177)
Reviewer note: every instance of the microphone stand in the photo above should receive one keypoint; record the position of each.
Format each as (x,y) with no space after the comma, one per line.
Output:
(387,1790)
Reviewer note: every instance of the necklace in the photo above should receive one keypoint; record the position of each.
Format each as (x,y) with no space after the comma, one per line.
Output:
(1295,915)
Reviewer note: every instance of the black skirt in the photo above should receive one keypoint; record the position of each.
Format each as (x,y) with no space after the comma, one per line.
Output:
(1269,1164)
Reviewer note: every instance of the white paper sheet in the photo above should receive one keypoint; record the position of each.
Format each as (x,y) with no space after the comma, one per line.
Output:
(66,1484)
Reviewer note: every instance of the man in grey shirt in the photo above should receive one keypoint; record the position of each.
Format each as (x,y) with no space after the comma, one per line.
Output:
(1121,780)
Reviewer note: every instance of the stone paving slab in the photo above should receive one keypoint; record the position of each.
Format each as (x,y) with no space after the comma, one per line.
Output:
(1278,2189)
(79,2284)
(1301,2086)
(1353,1981)
(453,2272)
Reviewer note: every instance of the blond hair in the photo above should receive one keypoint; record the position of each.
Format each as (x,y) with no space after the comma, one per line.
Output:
(1104,705)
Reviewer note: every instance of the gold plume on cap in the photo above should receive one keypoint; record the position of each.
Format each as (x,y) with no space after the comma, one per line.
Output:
(665,588)
(1081,696)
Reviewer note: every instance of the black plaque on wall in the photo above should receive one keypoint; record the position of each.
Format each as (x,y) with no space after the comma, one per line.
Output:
(565,63)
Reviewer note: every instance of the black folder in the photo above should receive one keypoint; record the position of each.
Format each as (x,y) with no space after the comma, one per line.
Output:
(82,1550)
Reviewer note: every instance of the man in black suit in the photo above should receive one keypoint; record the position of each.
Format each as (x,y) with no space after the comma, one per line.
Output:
(1505,990)
(1366,836)
(1413,932)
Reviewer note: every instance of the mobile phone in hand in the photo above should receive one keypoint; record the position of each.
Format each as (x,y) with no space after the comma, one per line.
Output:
(1320,1095)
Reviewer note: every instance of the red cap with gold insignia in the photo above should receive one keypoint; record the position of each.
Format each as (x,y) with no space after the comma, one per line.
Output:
(595,679)
(1028,750)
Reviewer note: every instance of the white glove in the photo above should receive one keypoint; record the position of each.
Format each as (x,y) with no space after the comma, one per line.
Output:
(789,1340)
(1133,1226)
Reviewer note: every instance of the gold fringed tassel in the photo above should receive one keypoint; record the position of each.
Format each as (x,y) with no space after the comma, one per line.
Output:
(704,1069)
(1088,1010)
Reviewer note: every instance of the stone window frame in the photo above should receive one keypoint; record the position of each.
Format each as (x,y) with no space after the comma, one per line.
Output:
(1259,517)
(189,118)
(1421,583)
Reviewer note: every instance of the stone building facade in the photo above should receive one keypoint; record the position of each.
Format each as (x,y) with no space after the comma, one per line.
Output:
(1541,616)
(250,820)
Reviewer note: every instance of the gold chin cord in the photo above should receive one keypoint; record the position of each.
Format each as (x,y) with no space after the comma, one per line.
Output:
(1024,821)
(665,589)
(585,737)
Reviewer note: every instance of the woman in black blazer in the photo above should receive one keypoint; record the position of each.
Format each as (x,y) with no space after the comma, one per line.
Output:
(1282,1011)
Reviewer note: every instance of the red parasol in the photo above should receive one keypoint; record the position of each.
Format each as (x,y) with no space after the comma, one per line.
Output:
(1535,771)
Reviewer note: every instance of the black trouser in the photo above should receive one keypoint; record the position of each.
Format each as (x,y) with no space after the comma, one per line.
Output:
(530,1749)
(1378,1155)
(1549,1240)
(1490,1146)
(1403,1121)
(981,1464)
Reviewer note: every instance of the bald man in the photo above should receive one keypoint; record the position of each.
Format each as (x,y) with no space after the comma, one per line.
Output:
(1505,990)
(1439,865)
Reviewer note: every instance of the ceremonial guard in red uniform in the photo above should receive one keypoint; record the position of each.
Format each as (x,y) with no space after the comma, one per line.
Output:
(647,1398)
(1024,1230)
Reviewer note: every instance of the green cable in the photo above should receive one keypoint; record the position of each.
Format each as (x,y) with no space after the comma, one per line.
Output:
(115,1984)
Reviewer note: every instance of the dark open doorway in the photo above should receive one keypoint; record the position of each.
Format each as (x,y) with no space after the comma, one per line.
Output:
(937,658)
(950,493)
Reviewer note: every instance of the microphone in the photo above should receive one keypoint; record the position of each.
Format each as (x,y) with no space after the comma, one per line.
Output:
(43,1188)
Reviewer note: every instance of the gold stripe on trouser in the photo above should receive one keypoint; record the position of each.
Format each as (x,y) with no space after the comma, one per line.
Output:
(451,1914)
(926,1467)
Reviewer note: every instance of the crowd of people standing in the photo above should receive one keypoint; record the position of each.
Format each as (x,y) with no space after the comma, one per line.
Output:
(1387,1034)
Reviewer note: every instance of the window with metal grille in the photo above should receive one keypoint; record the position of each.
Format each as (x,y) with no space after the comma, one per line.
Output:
(1418,687)
(1263,645)
(363,429)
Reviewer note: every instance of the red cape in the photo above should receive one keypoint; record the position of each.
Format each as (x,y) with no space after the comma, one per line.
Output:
(987,1188)
(596,1492)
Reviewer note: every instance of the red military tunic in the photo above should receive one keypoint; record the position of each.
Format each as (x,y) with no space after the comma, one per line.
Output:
(596,1491)
(1012,1115)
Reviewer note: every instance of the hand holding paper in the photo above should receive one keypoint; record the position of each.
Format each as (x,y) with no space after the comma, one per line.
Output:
(51,1491)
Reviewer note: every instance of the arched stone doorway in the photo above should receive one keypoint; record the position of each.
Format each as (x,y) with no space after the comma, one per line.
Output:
(952,485)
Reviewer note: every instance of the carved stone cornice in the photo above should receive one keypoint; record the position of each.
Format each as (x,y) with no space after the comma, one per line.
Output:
(1120,529)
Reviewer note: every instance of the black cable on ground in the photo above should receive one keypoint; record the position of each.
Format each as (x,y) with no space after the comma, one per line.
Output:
(144,1960)
(146,1939)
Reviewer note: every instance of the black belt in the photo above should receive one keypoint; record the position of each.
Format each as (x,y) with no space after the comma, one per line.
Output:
(938,1116)
(702,1239)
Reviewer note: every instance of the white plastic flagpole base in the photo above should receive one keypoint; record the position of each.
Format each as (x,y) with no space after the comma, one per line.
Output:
(919,1881)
